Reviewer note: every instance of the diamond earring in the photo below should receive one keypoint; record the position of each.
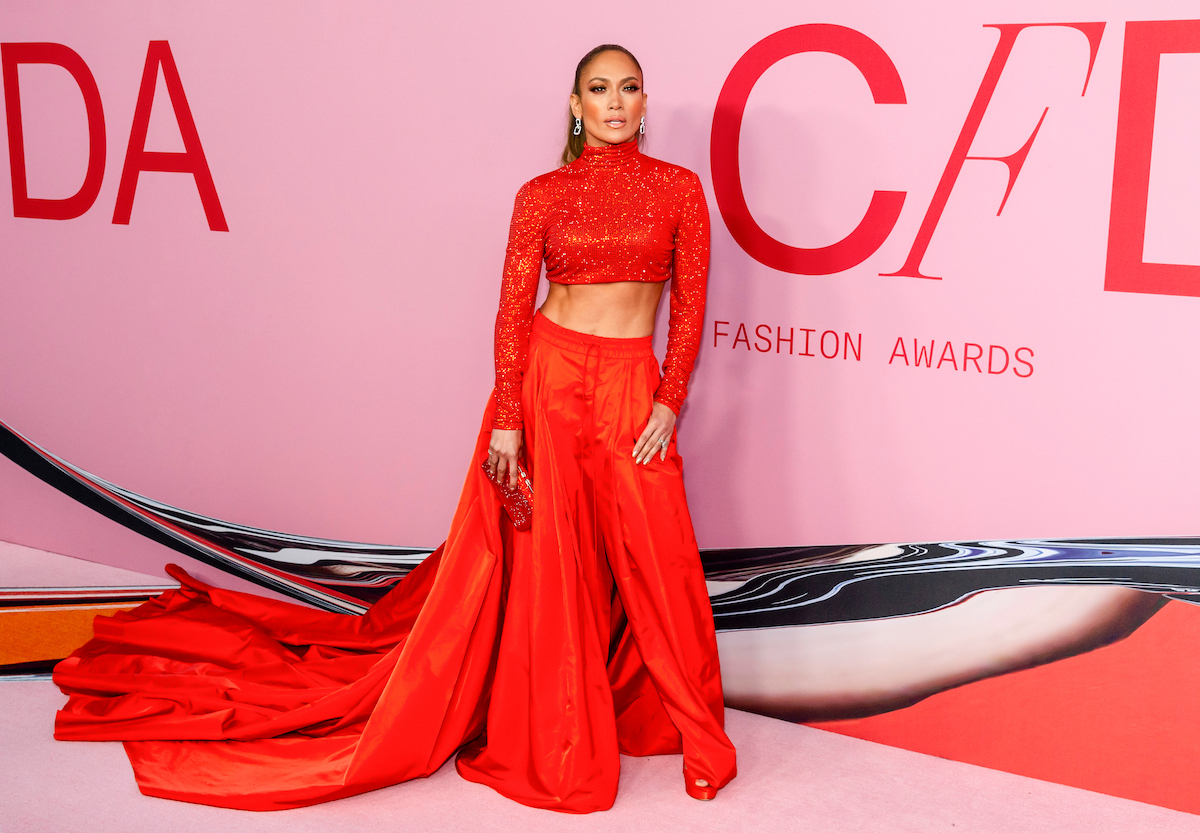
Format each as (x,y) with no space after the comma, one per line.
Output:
(642,129)
(578,127)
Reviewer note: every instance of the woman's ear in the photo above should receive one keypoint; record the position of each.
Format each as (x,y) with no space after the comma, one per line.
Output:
(576,105)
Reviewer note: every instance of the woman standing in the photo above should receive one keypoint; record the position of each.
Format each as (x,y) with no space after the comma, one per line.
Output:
(582,393)
(539,655)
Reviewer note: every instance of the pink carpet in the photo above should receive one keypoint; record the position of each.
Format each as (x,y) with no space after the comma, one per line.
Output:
(793,778)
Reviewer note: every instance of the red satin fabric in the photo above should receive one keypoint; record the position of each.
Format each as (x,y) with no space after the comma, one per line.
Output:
(539,654)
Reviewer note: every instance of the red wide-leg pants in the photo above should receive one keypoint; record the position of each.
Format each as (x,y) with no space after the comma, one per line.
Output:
(543,652)
(608,641)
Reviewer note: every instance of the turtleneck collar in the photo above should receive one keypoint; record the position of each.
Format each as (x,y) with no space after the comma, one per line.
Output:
(607,155)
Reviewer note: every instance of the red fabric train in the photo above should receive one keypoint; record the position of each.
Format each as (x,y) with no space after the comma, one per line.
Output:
(537,655)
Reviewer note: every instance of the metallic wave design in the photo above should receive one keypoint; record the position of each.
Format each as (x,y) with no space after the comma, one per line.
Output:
(11,597)
(755,587)
(789,587)
(341,576)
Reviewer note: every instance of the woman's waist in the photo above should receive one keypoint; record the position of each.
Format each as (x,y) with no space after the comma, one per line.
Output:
(613,310)
(547,330)
(600,279)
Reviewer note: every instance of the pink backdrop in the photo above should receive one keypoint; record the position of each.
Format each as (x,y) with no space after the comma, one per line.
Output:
(321,367)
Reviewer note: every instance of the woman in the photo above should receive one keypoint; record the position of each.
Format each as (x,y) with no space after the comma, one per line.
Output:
(537,655)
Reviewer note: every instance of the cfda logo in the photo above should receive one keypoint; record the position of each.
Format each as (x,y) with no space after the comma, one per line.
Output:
(1145,42)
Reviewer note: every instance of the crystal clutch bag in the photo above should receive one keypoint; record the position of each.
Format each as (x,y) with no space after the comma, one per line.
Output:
(518,502)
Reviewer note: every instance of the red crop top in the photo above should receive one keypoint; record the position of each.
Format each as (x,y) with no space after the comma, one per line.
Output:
(611,215)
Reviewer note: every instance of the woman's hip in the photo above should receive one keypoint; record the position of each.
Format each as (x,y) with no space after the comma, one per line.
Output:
(582,383)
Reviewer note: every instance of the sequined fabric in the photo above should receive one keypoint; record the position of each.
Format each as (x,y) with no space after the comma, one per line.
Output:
(613,214)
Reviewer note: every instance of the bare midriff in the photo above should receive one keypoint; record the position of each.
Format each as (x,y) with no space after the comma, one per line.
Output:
(622,309)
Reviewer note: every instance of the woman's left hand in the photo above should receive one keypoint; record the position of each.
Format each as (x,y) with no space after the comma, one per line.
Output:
(656,436)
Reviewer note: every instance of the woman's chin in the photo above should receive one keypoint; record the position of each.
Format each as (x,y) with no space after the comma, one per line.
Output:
(609,136)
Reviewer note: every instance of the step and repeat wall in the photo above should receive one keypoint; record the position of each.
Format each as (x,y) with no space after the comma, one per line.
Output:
(252,260)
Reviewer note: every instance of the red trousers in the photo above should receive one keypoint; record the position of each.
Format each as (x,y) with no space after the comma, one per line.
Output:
(544,652)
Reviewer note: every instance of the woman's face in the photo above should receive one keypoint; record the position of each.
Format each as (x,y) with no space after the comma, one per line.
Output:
(610,101)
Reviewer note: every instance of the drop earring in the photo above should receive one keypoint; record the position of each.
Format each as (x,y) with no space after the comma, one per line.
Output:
(578,127)
(642,128)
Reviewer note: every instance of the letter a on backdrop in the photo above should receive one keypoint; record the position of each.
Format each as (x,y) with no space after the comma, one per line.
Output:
(191,161)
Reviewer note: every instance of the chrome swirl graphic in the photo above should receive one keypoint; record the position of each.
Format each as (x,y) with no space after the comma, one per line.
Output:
(787,587)
(753,588)
(334,575)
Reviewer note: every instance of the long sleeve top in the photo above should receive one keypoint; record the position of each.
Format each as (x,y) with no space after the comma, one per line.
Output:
(611,215)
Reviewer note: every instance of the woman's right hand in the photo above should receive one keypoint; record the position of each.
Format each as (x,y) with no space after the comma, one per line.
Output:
(503,451)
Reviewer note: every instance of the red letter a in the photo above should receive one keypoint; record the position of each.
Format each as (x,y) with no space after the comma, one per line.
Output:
(59,55)
(191,161)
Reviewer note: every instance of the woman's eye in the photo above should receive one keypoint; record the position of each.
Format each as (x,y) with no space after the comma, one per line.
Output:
(598,89)
(631,88)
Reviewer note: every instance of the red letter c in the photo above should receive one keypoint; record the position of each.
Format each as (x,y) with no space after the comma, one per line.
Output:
(886,88)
